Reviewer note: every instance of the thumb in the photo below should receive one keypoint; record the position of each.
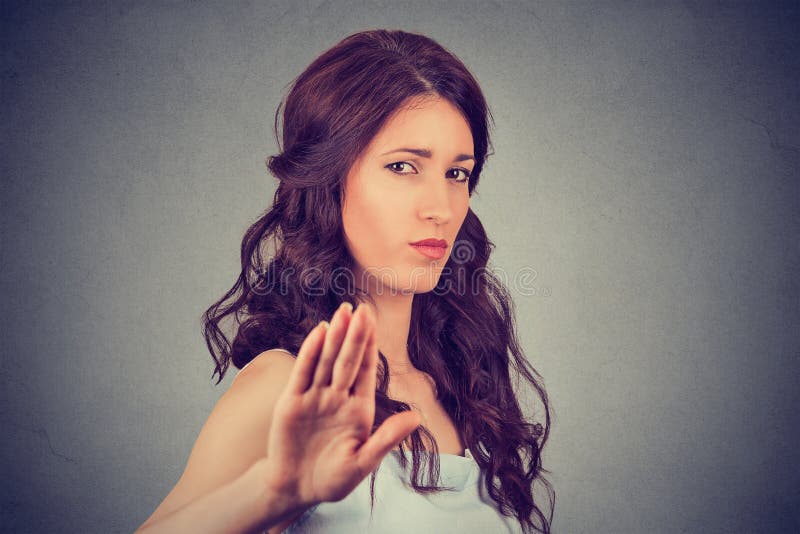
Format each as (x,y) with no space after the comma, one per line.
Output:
(386,437)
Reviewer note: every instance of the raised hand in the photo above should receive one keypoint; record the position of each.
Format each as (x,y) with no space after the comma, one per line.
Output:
(320,446)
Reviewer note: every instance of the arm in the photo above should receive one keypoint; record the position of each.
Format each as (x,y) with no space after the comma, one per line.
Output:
(223,467)
(319,444)
(248,504)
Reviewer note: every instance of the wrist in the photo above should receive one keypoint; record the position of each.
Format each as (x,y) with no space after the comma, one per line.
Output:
(279,496)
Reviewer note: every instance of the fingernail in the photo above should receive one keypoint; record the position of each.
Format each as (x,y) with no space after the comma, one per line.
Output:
(346,305)
(324,324)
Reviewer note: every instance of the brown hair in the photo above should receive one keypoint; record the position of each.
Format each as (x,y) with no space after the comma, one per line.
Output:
(295,263)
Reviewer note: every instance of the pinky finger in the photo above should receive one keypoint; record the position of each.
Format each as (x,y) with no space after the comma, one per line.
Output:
(307,357)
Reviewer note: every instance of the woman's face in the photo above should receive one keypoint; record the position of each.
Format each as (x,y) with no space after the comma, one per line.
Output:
(409,184)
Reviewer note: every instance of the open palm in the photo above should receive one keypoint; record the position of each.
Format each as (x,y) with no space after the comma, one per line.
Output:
(320,444)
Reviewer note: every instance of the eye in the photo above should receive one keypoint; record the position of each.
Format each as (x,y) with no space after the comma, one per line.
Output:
(398,166)
(455,178)
(394,167)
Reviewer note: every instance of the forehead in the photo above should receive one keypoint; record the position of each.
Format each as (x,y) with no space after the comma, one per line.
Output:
(425,122)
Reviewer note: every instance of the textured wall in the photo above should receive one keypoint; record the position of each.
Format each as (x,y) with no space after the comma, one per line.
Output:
(645,180)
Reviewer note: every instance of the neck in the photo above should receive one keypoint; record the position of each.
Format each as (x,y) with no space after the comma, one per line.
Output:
(393,314)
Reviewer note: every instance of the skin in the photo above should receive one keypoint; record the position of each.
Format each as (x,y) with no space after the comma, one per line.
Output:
(391,200)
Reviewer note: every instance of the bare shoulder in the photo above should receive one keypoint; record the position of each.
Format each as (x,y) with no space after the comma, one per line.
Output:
(266,366)
(235,434)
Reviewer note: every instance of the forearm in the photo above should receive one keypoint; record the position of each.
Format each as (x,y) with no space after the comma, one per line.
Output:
(245,505)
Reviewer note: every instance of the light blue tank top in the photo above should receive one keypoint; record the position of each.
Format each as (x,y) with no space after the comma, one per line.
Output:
(398,508)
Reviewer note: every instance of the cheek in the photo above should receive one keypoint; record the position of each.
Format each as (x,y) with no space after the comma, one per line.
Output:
(361,215)
(368,225)
(356,222)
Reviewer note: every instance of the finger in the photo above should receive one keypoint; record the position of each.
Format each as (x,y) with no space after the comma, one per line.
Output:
(393,430)
(303,370)
(333,341)
(348,361)
(366,379)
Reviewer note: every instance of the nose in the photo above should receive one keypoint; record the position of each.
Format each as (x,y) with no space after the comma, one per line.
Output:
(435,202)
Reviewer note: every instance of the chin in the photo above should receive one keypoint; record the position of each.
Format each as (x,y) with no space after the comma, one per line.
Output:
(425,286)
(417,280)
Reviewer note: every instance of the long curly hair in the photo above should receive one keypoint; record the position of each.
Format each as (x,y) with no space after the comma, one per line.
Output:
(295,265)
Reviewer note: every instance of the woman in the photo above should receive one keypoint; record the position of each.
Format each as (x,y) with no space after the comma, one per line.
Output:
(384,137)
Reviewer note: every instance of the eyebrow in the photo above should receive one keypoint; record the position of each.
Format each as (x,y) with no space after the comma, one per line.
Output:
(425,153)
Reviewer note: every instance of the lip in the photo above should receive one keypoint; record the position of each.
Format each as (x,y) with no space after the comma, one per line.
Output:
(431,242)
(435,253)
(431,248)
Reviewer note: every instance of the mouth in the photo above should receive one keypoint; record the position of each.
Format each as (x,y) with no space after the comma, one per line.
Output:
(431,248)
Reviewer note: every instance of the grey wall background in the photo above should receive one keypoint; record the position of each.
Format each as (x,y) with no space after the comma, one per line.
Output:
(646,170)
